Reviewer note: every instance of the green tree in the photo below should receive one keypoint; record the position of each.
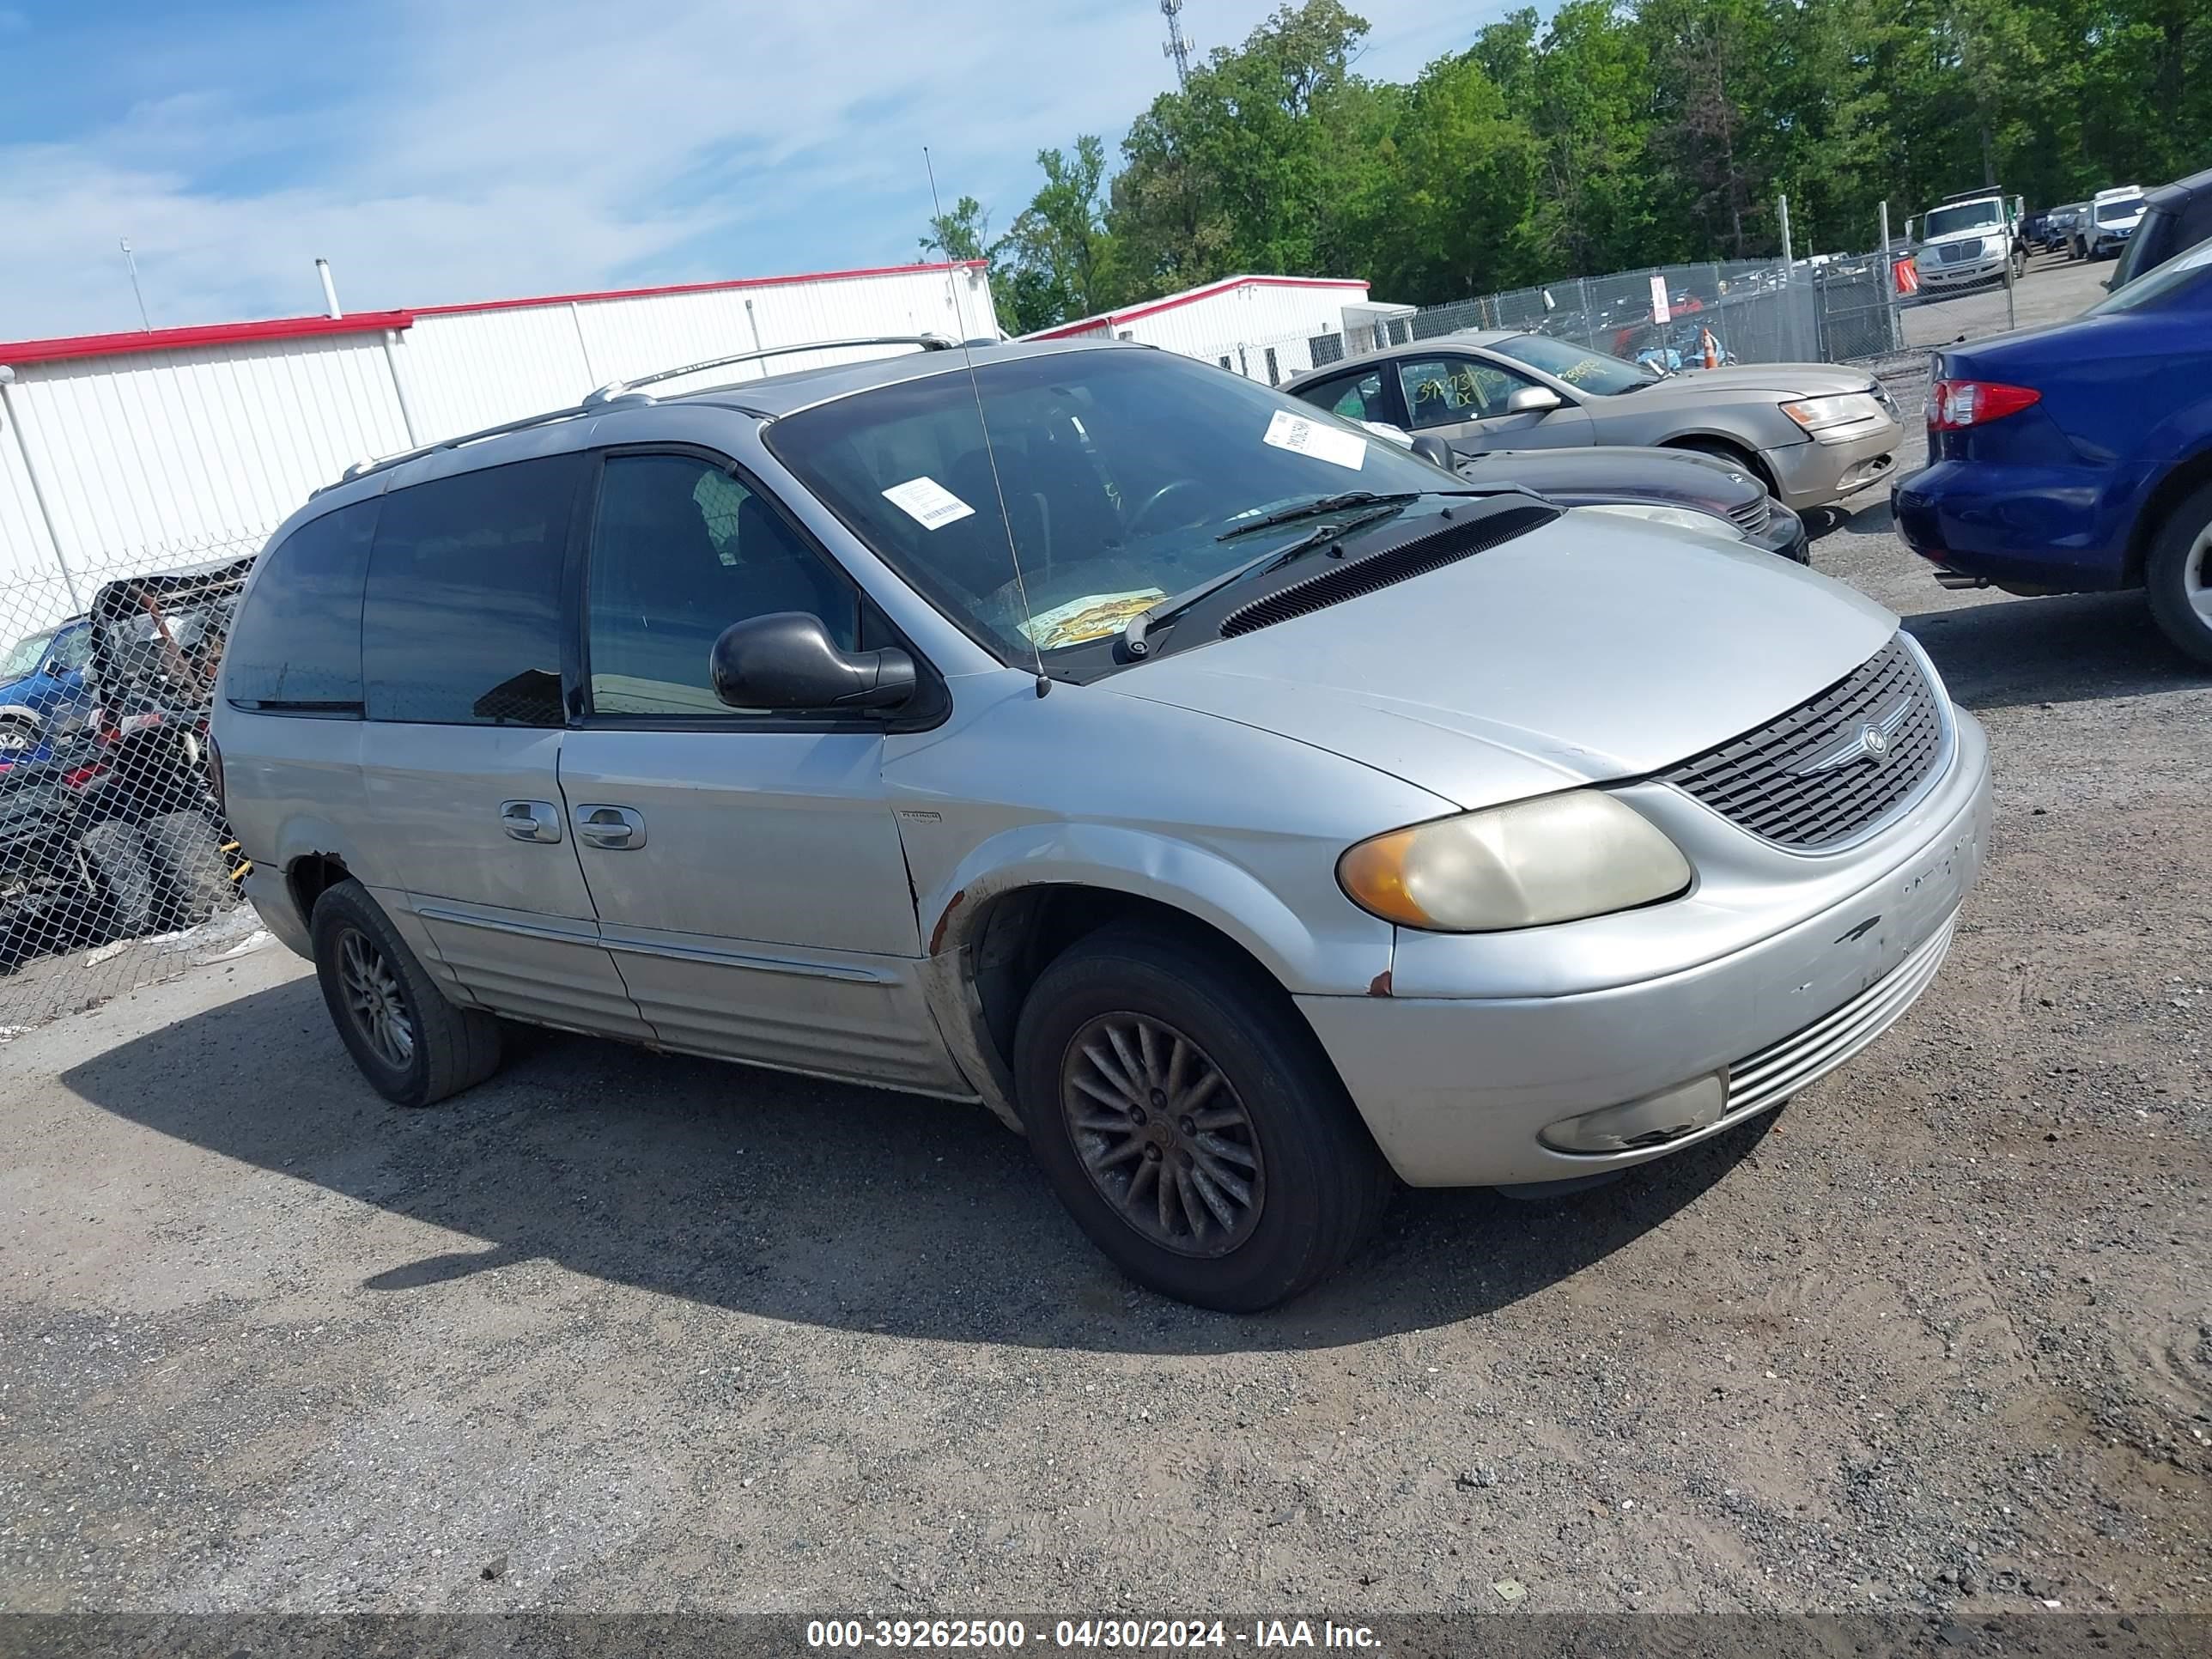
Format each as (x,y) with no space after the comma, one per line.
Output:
(963,233)
(1619,134)
(1058,254)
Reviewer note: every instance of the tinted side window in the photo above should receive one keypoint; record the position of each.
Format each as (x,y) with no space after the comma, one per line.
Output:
(1356,397)
(461,620)
(680,550)
(295,646)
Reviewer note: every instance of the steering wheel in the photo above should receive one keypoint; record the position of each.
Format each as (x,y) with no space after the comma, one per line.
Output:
(1151,503)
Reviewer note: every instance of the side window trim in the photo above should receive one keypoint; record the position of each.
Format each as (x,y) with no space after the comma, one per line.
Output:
(929,708)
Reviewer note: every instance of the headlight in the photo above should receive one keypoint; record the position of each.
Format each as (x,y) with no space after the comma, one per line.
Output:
(1817,415)
(1682,517)
(1557,857)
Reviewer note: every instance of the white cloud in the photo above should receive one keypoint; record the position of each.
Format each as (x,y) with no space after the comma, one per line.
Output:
(502,149)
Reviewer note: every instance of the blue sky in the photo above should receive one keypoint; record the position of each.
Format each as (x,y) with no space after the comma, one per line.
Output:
(487,149)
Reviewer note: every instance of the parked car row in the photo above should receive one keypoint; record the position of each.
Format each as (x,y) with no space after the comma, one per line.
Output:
(1252,813)
(2077,457)
(1807,433)
(108,828)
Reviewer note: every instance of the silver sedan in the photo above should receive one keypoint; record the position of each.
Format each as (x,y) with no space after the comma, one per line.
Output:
(1812,432)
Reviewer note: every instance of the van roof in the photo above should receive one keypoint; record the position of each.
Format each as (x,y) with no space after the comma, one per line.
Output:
(769,398)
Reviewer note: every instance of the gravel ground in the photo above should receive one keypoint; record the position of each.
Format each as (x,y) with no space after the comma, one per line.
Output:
(616,1332)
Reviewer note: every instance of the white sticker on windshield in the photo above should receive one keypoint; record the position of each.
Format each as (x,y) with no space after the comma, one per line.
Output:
(927,503)
(1318,439)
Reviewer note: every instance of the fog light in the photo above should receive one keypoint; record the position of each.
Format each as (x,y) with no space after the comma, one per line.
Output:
(1654,1121)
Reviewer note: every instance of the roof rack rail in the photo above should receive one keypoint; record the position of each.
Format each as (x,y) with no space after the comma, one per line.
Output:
(614,389)
(362,469)
(595,401)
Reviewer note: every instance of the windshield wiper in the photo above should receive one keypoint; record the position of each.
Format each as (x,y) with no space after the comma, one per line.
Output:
(1323,504)
(1132,635)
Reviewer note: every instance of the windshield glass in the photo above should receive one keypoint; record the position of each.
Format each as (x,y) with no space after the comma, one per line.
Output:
(26,655)
(1967,216)
(2111,213)
(1578,365)
(1119,469)
(2179,271)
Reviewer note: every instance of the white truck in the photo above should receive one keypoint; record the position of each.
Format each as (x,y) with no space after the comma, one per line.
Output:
(1966,241)
(2113,217)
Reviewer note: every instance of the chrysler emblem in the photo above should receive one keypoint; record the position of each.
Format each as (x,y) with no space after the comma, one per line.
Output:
(1870,740)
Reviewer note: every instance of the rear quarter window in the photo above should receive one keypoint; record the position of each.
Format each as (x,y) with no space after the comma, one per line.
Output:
(461,615)
(295,644)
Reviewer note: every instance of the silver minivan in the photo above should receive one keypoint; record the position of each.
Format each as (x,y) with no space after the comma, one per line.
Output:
(1249,812)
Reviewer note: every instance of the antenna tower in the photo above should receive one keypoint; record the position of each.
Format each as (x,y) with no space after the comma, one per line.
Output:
(1175,45)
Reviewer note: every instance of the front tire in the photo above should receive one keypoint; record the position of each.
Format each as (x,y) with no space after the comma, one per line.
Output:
(1191,1123)
(2178,575)
(413,1046)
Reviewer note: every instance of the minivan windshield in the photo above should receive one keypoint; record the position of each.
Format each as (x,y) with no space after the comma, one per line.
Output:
(1967,216)
(2111,213)
(1124,472)
(1598,372)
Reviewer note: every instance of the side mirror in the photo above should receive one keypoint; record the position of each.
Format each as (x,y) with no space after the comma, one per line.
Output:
(788,660)
(1436,452)
(1532,400)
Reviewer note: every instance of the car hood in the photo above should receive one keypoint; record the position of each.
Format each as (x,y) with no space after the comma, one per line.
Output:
(1591,649)
(1615,472)
(1978,233)
(1784,380)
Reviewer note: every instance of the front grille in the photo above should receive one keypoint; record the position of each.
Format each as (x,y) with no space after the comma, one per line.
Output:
(1813,777)
(1753,517)
(1951,252)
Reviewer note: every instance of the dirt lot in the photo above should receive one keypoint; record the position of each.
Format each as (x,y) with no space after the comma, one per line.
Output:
(616,1332)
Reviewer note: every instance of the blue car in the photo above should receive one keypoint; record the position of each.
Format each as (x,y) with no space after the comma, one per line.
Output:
(2077,458)
(43,674)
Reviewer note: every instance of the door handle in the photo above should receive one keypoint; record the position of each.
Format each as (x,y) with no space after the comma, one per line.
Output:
(613,829)
(529,820)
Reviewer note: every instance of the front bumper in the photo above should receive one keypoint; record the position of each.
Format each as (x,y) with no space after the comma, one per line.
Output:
(1457,1092)
(1813,473)
(1967,273)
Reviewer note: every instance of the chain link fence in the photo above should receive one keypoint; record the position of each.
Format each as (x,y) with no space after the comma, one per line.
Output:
(1836,308)
(116,866)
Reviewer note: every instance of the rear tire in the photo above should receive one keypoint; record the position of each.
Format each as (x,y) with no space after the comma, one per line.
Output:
(2178,576)
(123,877)
(1211,1152)
(413,1046)
(192,877)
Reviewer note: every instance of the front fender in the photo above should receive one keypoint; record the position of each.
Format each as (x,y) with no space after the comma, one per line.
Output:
(1182,874)
(1186,877)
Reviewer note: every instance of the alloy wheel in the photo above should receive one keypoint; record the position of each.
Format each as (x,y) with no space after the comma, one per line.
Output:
(2196,576)
(1162,1134)
(374,1001)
